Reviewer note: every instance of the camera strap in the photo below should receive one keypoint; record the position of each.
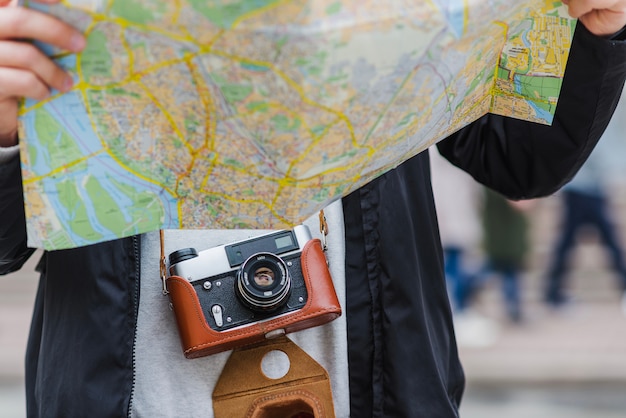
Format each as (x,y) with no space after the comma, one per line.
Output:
(323,229)
(163,260)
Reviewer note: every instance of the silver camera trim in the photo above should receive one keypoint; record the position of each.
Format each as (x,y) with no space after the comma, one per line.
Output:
(214,261)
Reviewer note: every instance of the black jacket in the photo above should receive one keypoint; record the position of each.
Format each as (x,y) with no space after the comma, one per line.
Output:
(402,354)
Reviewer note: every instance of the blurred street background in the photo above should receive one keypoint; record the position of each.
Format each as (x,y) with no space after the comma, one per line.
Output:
(569,362)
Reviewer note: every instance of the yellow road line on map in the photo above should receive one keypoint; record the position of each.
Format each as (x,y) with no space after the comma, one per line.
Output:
(316,140)
(249,201)
(258,11)
(179,211)
(209,105)
(80,87)
(134,76)
(210,123)
(278,72)
(476,104)
(24,110)
(146,28)
(129,53)
(293,182)
(505,28)
(209,173)
(466,7)
(296,87)
(518,96)
(354,162)
(168,116)
(212,164)
(388,105)
(103,17)
(177,8)
(62,168)
(286,181)
(290,112)
(246,169)
(434,5)
(308,149)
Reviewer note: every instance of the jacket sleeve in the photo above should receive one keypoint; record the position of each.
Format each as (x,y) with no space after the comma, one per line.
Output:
(13,249)
(525,160)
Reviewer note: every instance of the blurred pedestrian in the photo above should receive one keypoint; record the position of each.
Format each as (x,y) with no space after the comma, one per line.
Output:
(506,243)
(586,205)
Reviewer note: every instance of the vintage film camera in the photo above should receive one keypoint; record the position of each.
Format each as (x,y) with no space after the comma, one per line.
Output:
(245,291)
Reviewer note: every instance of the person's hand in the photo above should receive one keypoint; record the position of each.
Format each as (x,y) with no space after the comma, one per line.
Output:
(24,70)
(600,17)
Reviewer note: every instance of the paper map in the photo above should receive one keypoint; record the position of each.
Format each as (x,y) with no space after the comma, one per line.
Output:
(257,113)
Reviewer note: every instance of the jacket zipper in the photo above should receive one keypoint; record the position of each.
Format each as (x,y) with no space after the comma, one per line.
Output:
(136,251)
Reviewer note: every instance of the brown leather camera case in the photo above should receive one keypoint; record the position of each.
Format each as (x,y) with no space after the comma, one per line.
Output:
(199,339)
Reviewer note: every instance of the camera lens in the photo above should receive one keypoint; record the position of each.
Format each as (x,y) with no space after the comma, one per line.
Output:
(263,282)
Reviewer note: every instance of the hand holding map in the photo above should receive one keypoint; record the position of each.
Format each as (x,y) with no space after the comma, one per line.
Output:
(256,114)
(600,17)
(24,70)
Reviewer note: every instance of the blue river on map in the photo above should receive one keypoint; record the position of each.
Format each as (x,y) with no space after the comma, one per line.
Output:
(70,113)
(525,39)
(539,112)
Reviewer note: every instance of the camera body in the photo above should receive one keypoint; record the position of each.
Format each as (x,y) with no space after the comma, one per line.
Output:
(247,291)
(247,281)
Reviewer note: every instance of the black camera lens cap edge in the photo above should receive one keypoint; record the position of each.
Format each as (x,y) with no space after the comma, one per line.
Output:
(182,255)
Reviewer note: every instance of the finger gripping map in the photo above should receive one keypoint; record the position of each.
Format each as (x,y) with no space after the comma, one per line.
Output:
(257,113)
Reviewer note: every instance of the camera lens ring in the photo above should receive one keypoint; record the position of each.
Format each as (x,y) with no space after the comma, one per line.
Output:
(263,282)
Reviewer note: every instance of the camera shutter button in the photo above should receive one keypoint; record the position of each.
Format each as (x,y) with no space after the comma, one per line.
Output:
(216,310)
